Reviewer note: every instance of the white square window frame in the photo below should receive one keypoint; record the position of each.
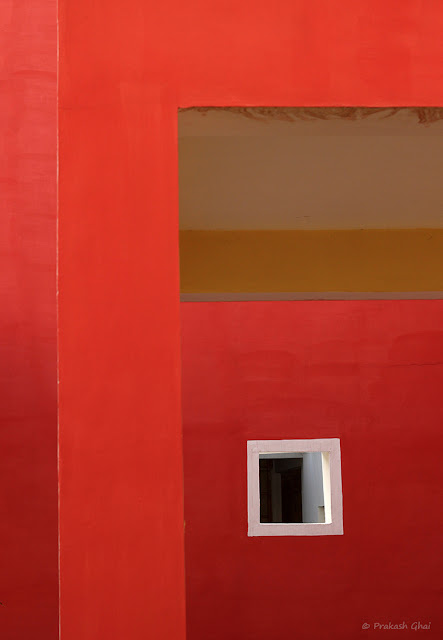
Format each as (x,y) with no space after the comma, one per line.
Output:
(332,487)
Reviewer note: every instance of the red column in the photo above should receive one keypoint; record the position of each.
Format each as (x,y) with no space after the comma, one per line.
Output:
(121,485)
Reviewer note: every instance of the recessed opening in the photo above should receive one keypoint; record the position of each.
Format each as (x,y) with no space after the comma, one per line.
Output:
(292,487)
(309,203)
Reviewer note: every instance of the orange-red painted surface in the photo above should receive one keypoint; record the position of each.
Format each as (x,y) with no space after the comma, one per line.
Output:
(125,68)
(28,403)
(369,373)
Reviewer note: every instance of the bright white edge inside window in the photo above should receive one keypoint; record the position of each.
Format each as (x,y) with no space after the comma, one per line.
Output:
(332,487)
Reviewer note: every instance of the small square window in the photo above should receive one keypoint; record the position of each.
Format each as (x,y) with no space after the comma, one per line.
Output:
(294,488)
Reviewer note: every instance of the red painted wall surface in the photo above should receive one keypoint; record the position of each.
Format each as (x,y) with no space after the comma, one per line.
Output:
(28,430)
(124,71)
(370,373)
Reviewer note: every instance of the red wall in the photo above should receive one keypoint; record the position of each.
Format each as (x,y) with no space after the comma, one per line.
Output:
(370,373)
(125,68)
(28,431)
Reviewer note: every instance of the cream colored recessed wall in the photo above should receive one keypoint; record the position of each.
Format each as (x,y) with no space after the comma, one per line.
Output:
(374,172)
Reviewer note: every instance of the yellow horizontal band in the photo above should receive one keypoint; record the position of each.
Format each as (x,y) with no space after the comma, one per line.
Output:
(344,260)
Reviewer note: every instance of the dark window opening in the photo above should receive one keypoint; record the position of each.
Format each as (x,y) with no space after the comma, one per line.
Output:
(281,490)
(291,487)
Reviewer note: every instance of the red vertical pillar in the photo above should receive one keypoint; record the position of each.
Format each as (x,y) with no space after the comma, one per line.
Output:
(121,511)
